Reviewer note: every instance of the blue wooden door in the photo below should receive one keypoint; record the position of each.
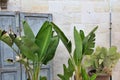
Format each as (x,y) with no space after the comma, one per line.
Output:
(35,20)
(8,71)
(13,21)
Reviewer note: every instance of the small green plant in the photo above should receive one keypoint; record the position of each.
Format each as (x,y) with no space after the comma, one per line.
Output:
(33,50)
(83,46)
(103,60)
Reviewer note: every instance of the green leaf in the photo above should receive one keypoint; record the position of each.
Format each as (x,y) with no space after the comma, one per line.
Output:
(44,26)
(1,33)
(43,40)
(43,78)
(68,71)
(51,49)
(27,52)
(62,36)
(93,77)
(82,34)
(66,75)
(78,47)
(65,69)
(96,64)
(70,68)
(62,77)
(89,42)
(89,45)
(84,74)
(30,44)
(28,31)
(112,50)
(29,49)
(92,31)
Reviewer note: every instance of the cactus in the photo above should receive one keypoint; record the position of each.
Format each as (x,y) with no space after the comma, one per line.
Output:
(103,60)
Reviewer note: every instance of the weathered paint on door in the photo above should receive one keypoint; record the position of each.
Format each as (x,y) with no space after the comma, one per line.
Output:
(35,21)
(8,71)
(13,20)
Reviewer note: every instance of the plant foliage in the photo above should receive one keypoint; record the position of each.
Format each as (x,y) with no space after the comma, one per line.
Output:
(103,60)
(84,45)
(34,50)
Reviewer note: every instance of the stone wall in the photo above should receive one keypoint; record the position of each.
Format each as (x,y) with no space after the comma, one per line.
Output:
(84,14)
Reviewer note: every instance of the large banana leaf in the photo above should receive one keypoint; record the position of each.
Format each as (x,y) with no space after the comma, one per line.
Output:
(28,31)
(43,40)
(51,49)
(89,42)
(44,26)
(29,49)
(94,29)
(89,45)
(78,47)
(62,36)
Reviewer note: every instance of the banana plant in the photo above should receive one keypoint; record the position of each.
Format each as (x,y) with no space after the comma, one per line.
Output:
(84,45)
(33,50)
(85,75)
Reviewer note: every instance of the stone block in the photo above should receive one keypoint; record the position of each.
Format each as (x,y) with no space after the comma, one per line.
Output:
(56,6)
(116,39)
(116,6)
(89,18)
(115,27)
(101,7)
(64,6)
(102,39)
(62,18)
(34,6)
(14,5)
(72,9)
(115,17)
